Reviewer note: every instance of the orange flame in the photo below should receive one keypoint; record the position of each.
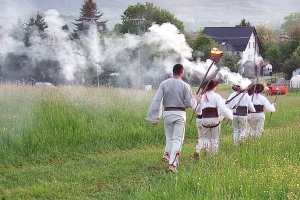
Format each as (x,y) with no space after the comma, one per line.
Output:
(215,50)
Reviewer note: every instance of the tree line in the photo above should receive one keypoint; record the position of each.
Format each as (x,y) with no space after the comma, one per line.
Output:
(280,47)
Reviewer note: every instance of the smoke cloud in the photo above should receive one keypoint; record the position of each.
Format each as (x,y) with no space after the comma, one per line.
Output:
(148,56)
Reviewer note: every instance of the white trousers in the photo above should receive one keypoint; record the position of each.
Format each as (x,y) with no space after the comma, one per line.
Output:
(240,130)
(210,137)
(257,124)
(174,131)
(202,142)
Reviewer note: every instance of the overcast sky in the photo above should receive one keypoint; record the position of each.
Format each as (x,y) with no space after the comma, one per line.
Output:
(194,13)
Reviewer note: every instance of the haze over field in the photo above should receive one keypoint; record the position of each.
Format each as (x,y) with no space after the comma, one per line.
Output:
(194,13)
(74,59)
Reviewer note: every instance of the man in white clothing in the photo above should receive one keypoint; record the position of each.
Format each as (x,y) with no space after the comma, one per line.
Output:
(175,96)
(242,103)
(212,105)
(261,103)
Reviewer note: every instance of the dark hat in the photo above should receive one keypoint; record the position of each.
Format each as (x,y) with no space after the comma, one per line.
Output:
(236,87)
(211,85)
(257,87)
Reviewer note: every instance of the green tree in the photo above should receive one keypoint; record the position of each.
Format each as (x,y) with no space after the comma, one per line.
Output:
(202,46)
(267,37)
(291,25)
(244,23)
(143,16)
(287,48)
(231,61)
(273,54)
(65,27)
(35,26)
(89,15)
(292,63)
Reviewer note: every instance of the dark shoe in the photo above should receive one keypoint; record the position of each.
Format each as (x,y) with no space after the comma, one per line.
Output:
(197,154)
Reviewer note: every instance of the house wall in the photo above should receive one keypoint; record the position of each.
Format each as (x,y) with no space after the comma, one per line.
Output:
(251,52)
(296,72)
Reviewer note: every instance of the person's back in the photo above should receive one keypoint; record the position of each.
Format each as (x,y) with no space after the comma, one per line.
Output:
(175,96)
(212,105)
(261,103)
(242,103)
(177,93)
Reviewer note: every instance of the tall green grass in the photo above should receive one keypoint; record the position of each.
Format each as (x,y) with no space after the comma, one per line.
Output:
(94,143)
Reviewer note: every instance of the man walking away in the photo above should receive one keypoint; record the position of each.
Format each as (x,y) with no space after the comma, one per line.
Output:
(175,96)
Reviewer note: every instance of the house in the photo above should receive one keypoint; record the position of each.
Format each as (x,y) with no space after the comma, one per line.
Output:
(296,72)
(242,41)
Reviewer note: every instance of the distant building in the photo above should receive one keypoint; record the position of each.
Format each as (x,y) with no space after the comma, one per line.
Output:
(296,72)
(242,41)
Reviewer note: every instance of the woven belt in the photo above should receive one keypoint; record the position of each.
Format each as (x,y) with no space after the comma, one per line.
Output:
(241,111)
(199,116)
(259,108)
(210,112)
(174,109)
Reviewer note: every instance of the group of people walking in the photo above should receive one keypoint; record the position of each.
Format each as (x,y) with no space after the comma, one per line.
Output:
(244,107)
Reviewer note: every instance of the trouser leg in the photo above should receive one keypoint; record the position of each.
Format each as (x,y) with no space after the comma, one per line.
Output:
(243,128)
(235,126)
(215,138)
(260,126)
(176,124)
(200,141)
(169,129)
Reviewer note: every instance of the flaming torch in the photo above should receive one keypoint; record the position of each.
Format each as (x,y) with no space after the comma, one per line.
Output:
(216,56)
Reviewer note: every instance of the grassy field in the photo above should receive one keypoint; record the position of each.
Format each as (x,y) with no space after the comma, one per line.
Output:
(95,143)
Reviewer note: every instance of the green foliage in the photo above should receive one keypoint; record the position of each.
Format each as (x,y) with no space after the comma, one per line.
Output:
(202,46)
(291,25)
(65,27)
(267,37)
(142,16)
(89,15)
(287,48)
(231,61)
(292,63)
(35,27)
(244,23)
(273,54)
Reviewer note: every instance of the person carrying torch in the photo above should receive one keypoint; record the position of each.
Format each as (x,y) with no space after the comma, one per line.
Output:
(208,112)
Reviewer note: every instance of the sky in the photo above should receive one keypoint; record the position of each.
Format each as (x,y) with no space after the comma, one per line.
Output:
(195,14)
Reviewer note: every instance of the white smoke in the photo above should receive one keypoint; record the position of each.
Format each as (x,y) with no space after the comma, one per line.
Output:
(68,55)
(164,44)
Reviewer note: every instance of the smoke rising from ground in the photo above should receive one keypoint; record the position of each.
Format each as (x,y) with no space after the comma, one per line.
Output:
(153,54)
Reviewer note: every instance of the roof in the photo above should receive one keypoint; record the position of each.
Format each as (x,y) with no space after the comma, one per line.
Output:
(235,38)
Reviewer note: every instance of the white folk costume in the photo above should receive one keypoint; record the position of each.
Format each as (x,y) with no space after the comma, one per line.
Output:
(202,142)
(261,103)
(239,122)
(175,96)
(212,105)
